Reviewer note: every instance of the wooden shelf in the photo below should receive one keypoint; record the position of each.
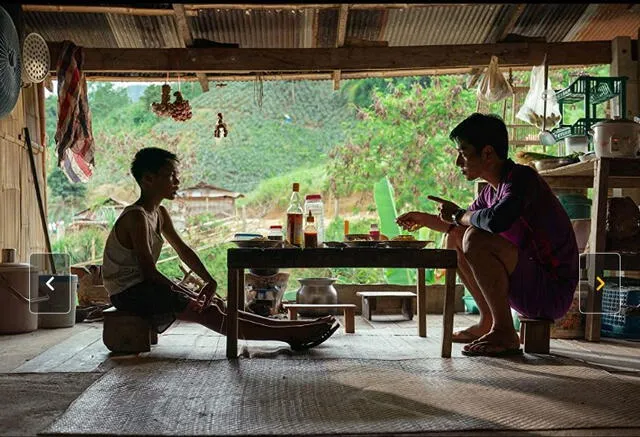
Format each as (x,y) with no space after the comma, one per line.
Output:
(623,173)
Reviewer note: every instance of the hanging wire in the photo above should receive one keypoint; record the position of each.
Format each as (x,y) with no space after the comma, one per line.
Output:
(258,90)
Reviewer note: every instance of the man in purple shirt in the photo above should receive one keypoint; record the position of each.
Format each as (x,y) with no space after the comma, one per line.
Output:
(516,246)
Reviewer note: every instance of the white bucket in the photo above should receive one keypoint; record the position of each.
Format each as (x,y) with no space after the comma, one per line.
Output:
(15,314)
(60,310)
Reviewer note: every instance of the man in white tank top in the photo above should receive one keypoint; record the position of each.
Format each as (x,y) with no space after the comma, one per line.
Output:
(135,284)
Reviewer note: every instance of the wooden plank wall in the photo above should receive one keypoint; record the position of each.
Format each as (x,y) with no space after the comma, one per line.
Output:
(20,225)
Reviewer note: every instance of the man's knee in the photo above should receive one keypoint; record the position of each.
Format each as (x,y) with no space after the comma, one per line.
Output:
(454,237)
(474,241)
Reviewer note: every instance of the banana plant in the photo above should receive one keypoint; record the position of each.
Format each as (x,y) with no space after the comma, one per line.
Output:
(386,206)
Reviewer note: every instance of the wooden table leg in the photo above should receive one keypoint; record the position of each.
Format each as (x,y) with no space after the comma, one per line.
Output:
(232,312)
(421,291)
(349,320)
(447,312)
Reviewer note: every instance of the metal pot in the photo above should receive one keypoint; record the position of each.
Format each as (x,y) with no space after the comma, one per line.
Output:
(318,291)
(618,138)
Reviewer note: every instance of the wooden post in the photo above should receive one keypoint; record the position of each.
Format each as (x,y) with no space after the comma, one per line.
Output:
(597,241)
(421,291)
(447,312)
(232,312)
(349,320)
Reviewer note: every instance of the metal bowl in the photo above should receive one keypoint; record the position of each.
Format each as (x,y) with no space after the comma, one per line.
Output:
(551,163)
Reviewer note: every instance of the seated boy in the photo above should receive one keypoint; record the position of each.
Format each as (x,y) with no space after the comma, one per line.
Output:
(135,284)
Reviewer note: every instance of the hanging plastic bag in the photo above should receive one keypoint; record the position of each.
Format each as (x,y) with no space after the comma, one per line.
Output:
(493,87)
(533,111)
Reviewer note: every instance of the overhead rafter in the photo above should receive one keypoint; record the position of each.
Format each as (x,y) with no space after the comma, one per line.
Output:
(216,59)
(187,39)
(343,16)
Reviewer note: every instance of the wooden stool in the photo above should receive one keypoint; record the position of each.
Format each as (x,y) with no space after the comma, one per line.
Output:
(535,335)
(369,299)
(349,312)
(127,332)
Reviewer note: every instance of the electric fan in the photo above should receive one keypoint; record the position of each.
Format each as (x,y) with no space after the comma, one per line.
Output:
(10,65)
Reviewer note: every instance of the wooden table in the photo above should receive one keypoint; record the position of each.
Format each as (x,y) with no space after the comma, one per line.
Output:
(420,259)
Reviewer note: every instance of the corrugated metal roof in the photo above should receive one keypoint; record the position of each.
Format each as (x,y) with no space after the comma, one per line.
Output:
(254,28)
(327,31)
(440,24)
(606,21)
(88,30)
(144,32)
(552,21)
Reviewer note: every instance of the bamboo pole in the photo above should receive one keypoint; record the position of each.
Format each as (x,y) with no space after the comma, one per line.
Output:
(98,10)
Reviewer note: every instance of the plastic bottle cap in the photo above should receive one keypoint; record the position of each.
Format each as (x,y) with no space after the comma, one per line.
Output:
(275,227)
(313,197)
(296,186)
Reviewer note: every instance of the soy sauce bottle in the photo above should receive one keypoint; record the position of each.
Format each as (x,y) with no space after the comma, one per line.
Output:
(310,232)
(295,212)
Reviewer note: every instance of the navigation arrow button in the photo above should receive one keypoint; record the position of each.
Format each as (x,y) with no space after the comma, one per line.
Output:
(51,279)
(600,283)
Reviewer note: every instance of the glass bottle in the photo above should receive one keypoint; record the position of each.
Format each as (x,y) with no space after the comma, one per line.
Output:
(374,232)
(294,217)
(313,203)
(275,233)
(310,232)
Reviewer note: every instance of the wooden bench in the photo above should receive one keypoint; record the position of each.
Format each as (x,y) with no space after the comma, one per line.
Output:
(369,300)
(127,332)
(349,312)
(535,335)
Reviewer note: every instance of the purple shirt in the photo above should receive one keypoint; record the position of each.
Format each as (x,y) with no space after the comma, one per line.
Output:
(525,211)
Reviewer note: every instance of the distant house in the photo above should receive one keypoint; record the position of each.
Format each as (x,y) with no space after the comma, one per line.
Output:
(203,198)
(97,215)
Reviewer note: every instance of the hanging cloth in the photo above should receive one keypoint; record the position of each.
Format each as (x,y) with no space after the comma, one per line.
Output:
(74,139)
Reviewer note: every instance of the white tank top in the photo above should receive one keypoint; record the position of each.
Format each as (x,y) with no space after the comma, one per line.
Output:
(120,267)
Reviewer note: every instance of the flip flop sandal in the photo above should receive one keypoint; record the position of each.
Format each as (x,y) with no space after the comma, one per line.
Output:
(464,336)
(321,339)
(506,352)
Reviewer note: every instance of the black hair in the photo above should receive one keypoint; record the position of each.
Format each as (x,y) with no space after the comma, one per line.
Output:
(150,160)
(481,130)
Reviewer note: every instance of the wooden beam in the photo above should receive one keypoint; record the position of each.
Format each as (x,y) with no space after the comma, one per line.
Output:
(344,58)
(98,10)
(341,33)
(187,39)
(360,6)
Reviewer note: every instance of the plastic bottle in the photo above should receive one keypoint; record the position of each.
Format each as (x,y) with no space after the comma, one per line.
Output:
(346,229)
(275,233)
(313,203)
(310,232)
(374,232)
(294,217)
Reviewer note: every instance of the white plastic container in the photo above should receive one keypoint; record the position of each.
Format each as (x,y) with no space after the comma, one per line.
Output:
(313,203)
(60,310)
(15,316)
(579,143)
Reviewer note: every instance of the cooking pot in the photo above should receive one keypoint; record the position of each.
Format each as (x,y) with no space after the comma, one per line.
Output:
(317,291)
(617,138)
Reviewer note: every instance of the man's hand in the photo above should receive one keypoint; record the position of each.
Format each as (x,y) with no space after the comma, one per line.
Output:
(207,294)
(410,221)
(447,208)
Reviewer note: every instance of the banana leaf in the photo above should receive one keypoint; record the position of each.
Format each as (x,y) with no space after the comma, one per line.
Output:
(385,204)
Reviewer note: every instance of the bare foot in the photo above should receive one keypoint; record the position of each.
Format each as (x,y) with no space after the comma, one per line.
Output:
(501,339)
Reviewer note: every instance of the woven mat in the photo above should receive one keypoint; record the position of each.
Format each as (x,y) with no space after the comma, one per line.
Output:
(294,397)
